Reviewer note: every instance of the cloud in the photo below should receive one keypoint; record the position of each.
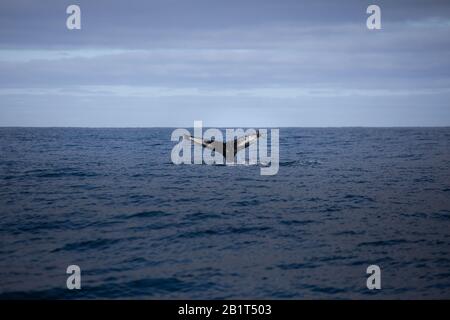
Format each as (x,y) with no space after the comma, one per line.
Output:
(345,57)
(226,54)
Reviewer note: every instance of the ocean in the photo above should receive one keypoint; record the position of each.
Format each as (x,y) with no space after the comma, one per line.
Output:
(140,227)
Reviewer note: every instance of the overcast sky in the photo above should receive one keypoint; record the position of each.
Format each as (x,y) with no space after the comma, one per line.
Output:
(230,63)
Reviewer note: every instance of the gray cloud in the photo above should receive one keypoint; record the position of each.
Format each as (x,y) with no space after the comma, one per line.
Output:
(316,56)
(346,56)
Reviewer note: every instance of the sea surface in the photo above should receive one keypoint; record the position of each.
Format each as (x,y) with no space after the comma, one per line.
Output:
(112,202)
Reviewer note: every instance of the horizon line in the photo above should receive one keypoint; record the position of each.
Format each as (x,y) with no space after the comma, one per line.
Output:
(219,127)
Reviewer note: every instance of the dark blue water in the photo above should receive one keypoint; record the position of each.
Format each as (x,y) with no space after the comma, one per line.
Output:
(111,201)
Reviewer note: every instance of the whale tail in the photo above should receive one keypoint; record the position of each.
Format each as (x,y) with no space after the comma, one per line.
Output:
(229,147)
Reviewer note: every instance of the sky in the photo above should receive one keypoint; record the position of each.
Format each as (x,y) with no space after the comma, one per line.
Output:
(229,63)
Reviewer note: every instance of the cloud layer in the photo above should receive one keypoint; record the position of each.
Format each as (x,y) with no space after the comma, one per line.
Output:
(278,63)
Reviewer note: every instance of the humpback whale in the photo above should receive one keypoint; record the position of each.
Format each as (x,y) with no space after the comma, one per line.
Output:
(237,140)
(228,149)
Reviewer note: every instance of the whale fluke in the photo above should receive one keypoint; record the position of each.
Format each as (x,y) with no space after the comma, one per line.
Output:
(231,147)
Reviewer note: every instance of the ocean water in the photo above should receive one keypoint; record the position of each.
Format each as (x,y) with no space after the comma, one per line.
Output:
(111,201)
